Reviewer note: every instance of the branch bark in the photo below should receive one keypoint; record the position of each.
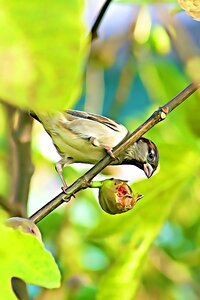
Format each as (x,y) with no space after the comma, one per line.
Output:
(13,210)
(22,139)
(10,112)
(18,164)
(23,167)
(83,181)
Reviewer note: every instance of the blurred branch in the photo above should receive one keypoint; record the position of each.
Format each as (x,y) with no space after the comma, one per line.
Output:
(23,164)
(99,19)
(5,205)
(19,165)
(10,111)
(83,181)
(11,209)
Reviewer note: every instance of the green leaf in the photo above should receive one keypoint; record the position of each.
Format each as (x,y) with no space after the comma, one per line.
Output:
(3,215)
(23,256)
(42,53)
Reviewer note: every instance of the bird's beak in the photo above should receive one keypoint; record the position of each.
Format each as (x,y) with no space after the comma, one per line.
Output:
(148,170)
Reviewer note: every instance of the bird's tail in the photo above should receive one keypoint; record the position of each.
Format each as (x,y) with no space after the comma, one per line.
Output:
(47,119)
(41,117)
(34,115)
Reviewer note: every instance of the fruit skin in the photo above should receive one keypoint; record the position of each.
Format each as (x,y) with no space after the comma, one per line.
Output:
(116,196)
(25,225)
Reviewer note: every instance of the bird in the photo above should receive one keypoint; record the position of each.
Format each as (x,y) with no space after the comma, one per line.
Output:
(83,137)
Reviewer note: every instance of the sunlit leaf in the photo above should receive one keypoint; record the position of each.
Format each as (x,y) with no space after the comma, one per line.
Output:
(23,256)
(42,52)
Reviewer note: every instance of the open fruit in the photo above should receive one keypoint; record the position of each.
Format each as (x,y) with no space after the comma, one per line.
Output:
(116,196)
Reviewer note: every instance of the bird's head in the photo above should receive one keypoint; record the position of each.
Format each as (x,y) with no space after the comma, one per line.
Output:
(143,154)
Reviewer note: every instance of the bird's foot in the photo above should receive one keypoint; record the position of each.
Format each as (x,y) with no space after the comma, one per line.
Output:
(64,188)
(67,197)
(108,149)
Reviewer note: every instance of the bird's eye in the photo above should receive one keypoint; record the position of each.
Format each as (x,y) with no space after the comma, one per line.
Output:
(150,157)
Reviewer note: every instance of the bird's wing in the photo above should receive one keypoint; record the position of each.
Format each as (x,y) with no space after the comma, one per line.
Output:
(73,127)
(87,125)
(76,114)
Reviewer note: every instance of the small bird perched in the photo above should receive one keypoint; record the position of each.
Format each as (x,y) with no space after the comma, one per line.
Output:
(85,138)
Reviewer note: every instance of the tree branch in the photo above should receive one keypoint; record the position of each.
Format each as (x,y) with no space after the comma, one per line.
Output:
(13,210)
(23,165)
(10,112)
(83,181)
(98,19)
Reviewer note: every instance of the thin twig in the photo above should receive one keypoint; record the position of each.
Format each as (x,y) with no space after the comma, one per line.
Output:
(99,19)
(83,181)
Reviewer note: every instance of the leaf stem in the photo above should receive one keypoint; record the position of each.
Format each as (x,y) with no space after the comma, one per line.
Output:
(95,184)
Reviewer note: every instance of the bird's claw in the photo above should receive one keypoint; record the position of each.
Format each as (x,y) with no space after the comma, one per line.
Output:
(109,151)
(64,189)
(67,196)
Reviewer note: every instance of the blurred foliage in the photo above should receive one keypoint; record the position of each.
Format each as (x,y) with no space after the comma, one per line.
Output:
(35,53)
(152,251)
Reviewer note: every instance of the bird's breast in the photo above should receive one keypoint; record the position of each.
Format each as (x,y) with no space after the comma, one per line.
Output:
(79,149)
